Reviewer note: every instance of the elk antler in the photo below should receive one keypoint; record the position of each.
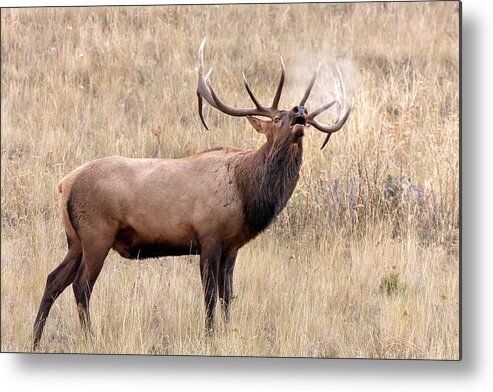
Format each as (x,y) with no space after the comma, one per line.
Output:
(205,91)
(340,101)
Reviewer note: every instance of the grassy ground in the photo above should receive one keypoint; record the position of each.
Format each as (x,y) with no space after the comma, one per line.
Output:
(357,265)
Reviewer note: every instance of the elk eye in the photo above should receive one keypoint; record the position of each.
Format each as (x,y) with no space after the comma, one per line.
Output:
(277,119)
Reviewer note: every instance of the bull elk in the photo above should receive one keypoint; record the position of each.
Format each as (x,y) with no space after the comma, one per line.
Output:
(210,203)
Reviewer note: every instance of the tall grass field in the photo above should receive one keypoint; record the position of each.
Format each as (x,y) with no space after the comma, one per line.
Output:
(364,260)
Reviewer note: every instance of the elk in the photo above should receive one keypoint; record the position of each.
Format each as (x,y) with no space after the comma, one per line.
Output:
(210,203)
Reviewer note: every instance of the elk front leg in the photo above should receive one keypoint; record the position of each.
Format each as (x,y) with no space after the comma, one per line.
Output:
(210,257)
(226,282)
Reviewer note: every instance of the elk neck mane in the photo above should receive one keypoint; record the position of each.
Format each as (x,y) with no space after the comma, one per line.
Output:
(266,179)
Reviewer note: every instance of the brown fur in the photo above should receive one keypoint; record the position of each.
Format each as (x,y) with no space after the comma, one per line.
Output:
(210,203)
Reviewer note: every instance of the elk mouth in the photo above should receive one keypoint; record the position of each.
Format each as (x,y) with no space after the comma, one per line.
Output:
(298,126)
(298,120)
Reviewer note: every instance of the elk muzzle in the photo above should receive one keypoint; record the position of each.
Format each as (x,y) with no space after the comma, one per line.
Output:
(298,121)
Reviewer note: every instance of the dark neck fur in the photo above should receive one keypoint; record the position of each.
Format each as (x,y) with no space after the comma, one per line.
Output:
(266,179)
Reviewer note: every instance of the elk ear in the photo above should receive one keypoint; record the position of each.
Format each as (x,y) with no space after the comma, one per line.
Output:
(260,125)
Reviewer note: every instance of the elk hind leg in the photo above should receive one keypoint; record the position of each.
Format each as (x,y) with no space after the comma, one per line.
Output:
(92,262)
(57,281)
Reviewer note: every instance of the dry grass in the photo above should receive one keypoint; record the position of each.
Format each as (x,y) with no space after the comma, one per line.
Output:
(78,84)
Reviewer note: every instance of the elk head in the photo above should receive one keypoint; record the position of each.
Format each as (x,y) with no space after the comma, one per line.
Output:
(283,124)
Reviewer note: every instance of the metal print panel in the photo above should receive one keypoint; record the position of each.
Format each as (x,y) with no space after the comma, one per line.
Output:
(153,206)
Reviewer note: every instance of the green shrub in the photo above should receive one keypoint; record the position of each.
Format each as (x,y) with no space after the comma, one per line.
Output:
(390,284)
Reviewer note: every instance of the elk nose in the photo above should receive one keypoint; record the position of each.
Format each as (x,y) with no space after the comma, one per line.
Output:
(299,110)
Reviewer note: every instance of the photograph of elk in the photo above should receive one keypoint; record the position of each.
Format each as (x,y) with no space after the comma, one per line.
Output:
(273,180)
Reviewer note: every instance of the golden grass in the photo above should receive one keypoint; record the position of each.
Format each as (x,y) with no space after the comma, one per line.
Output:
(78,84)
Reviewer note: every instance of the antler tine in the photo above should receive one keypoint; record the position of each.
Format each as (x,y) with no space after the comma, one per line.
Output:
(250,93)
(202,90)
(220,105)
(201,108)
(205,91)
(277,97)
(343,115)
(323,108)
(310,86)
